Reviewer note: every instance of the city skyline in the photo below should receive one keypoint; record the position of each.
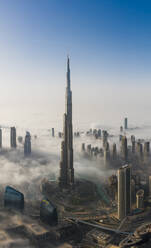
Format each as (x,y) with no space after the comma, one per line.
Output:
(83,180)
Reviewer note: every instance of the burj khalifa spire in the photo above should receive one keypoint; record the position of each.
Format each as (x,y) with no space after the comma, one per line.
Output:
(66,178)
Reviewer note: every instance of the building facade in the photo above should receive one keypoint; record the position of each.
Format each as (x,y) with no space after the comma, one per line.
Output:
(27,144)
(124,191)
(13,137)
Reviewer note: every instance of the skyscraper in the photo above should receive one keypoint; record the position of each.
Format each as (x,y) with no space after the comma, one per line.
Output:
(146,149)
(27,144)
(140,150)
(140,198)
(124,191)
(13,137)
(107,155)
(124,150)
(149,186)
(0,138)
(114,152)
(105,136)
(133,146)
(53,132)
(66,177)
(126,123)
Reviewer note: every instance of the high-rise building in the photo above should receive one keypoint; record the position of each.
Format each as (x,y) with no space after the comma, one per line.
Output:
(133,146)
(140,198)
(107,155)
(60,135)
(114,152)
(113,186)
(83,147)
(0,138)
(53,132)
(66,177)
(140,150)
(126,123)
(121,129)
(27,144)
(13,137)
(132,138)
(124,191)
(124,150)
(89,150)
(105,136)
(99,133)
(150,186)
(146,149)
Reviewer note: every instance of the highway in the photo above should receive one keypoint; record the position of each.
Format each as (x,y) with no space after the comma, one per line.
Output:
(97,226)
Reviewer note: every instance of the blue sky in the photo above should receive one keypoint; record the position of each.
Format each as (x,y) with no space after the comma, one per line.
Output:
(112,36)
(109,43)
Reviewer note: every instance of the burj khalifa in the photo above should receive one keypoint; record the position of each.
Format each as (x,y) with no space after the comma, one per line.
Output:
(66,178)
